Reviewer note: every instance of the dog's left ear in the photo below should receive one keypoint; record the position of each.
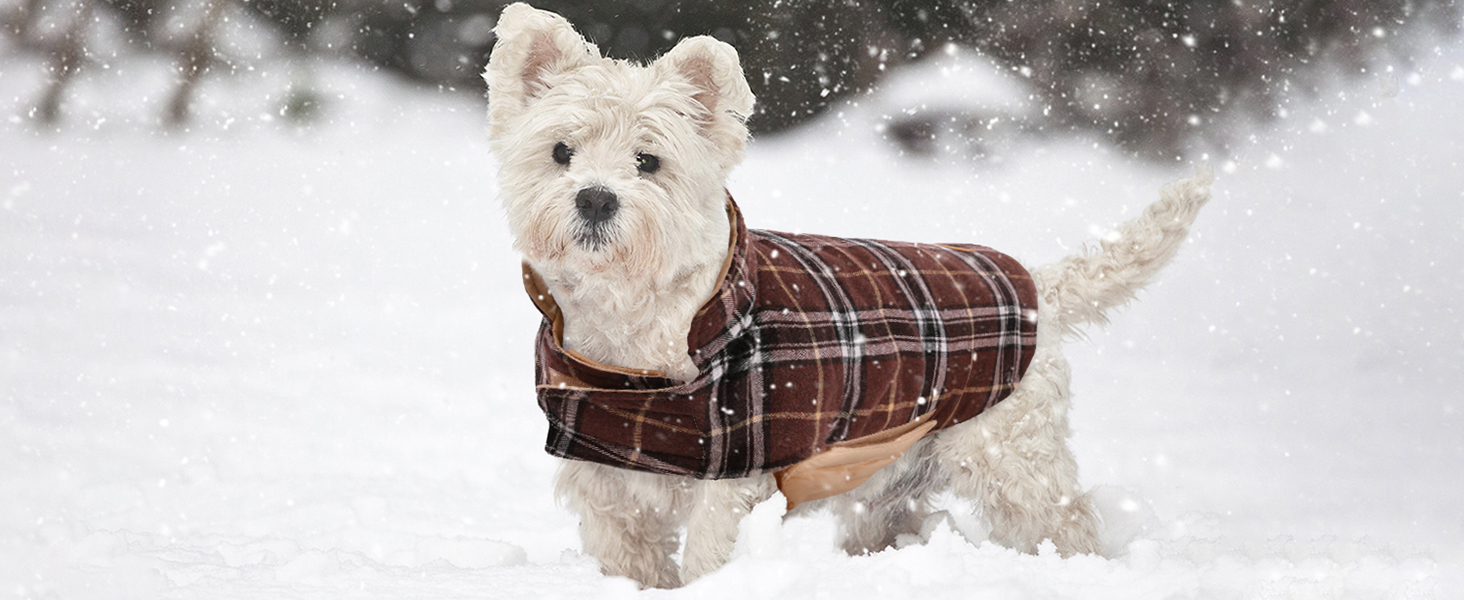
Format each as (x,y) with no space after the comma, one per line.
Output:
(715,75)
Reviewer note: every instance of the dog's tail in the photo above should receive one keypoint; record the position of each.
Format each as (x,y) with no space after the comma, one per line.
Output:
(1085,286)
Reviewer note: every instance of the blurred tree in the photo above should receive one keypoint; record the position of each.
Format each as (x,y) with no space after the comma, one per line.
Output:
(1148,75)
(59,33)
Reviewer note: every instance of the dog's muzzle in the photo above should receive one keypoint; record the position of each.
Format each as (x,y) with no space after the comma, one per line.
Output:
(596,206)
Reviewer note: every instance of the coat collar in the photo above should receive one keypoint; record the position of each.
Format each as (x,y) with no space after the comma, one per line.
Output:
(721,318)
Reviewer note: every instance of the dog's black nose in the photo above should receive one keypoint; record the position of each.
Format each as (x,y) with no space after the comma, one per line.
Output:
(596,204)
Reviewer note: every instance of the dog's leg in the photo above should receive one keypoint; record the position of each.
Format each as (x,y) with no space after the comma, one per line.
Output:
(629,521)
(717,508)
(1014,460)
(893,502)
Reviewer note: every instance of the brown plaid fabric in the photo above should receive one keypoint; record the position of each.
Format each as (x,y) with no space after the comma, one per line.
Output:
(809,341)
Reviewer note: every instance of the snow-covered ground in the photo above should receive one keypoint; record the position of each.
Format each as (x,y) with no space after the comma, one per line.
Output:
(257,361)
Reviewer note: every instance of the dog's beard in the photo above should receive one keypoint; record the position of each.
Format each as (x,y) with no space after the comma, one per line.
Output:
(594,237)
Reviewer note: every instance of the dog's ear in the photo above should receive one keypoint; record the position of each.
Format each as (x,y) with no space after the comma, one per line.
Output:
(533,46)
(712,69)
(711,66)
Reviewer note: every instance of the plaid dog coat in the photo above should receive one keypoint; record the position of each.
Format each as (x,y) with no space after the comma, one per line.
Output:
(821,359)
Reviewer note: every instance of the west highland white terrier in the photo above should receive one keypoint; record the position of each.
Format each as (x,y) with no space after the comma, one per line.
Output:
(689,366)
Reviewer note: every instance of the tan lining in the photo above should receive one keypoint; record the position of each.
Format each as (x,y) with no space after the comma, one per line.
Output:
(732,217)
(848,464)
(544,300)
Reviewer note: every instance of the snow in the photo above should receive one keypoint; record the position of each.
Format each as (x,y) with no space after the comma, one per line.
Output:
(953,79)
(256,360)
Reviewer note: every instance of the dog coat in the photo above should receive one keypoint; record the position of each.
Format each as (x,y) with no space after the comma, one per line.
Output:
(820,359)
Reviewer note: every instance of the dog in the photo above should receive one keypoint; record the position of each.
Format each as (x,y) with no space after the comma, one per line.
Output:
(660,356)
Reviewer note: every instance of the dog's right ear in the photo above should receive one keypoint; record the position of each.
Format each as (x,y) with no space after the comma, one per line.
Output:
(533,47)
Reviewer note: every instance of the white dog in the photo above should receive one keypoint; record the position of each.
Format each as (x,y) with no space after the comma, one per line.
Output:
(613,180)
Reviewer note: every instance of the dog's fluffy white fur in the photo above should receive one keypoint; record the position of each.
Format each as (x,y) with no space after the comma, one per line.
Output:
(628,286)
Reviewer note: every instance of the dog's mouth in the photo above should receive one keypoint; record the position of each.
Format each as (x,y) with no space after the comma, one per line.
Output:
(593,238)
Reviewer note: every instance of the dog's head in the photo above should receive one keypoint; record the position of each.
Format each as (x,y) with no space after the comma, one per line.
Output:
(611,167)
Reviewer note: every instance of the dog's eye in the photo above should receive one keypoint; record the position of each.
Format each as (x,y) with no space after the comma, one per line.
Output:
(562,153)
(647,163)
